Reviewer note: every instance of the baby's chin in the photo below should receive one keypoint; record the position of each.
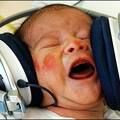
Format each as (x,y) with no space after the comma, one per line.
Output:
(85,92)
(91,99)
(88,100)
(90,104)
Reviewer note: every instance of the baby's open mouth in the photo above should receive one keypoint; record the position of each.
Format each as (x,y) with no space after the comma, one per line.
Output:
(81,69)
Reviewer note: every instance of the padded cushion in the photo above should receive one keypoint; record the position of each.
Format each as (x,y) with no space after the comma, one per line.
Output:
(21,51)
(103,53)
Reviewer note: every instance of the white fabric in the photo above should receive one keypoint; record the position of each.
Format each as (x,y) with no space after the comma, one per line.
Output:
(111,114)
(37,113)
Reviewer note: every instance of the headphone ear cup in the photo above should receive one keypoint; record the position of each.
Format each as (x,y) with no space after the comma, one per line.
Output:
(2,85)
(23,55)
(103,52)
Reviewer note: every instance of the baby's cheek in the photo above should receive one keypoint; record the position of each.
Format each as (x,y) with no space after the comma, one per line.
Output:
(50,62)
(37,65)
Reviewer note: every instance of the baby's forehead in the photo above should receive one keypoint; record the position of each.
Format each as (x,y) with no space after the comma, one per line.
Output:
(60,16)
(53,20)
(68,10)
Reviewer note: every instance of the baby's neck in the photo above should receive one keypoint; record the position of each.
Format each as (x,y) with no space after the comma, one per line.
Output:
(97,113)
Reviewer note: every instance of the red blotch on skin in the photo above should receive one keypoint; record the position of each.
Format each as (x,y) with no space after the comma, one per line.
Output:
(50,62)
(76,42)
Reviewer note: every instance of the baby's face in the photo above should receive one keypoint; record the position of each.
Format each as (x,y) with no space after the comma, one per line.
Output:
(63,59)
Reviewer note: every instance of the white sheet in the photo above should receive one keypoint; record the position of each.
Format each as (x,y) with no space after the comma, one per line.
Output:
(37,113)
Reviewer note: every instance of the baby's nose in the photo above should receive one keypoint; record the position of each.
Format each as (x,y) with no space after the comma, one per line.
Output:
(75,46)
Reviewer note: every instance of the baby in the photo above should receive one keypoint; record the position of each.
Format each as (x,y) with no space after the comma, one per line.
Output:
(58,37)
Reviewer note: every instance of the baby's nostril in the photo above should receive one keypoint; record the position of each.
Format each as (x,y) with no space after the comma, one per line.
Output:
(81,47)
(71,50)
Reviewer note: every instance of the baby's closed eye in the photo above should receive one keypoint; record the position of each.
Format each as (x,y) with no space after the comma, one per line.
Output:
(50,42)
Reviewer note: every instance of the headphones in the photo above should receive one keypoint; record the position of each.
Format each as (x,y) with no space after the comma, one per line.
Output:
(105,44)
(18,76)
(16,65)
(20,67)
(17,71)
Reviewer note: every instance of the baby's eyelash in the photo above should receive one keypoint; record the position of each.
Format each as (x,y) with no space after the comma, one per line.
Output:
(51,45)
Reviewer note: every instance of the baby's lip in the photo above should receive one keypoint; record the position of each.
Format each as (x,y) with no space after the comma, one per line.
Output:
(81,69)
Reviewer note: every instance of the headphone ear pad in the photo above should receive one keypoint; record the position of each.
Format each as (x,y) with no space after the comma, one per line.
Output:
(22,53)
(103,52)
